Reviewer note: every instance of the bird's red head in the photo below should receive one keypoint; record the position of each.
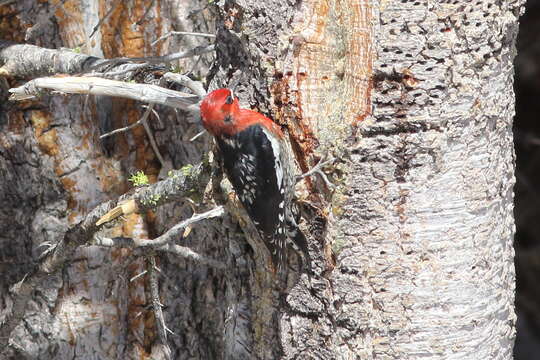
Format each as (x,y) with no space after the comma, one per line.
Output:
(221,115)
(218,111)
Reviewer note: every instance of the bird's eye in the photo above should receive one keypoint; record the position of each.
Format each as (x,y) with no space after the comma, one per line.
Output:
(229,100)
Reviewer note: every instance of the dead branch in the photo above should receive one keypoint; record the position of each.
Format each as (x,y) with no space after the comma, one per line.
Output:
(195,86)
(168,237)
(98,86)
(28,61)
(178,250)
(165,241)
(31,61)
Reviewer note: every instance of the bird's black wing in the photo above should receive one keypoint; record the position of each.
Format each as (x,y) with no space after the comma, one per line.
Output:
(253,165)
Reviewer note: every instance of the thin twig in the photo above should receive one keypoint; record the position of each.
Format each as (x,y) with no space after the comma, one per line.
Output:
(96,27)
(176,230)
(317,169)
(158,270)
(112,74)
(162,240)
(165,241)
(131,126)
(184,80)
(195,64)
(151,136)
(199,50)
(156,305)
(169,330)
(171,33)
(138,276)
(142,121)
(121,130)
(178,250)
(187,253)
(139,22)
(197,136)
(156,114)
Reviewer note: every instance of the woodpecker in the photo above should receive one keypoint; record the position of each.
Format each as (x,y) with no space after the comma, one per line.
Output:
(258,164)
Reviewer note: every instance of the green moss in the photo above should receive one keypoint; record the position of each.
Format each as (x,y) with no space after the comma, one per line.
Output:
(139,179)
(186,170)
(153,201)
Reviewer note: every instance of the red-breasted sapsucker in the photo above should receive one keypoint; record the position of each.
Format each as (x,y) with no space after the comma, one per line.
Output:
(258,164)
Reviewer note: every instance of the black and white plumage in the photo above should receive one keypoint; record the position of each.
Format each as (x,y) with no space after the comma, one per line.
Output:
(258,164)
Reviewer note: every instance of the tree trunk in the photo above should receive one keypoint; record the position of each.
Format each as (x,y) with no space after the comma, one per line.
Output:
(412,245)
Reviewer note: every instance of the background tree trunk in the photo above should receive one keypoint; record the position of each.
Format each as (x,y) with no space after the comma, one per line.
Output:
(413,248)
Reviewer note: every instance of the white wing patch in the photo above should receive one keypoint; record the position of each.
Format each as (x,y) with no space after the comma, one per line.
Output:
(231,142)
(277,158)
(247,180)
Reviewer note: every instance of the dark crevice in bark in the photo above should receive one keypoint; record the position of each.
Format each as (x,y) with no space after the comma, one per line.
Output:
(398,128)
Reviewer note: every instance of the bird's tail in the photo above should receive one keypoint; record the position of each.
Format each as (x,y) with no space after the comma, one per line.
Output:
(300,245)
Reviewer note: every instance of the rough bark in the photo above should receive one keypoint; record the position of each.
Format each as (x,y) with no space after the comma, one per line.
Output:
(422,226)
(412,248)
